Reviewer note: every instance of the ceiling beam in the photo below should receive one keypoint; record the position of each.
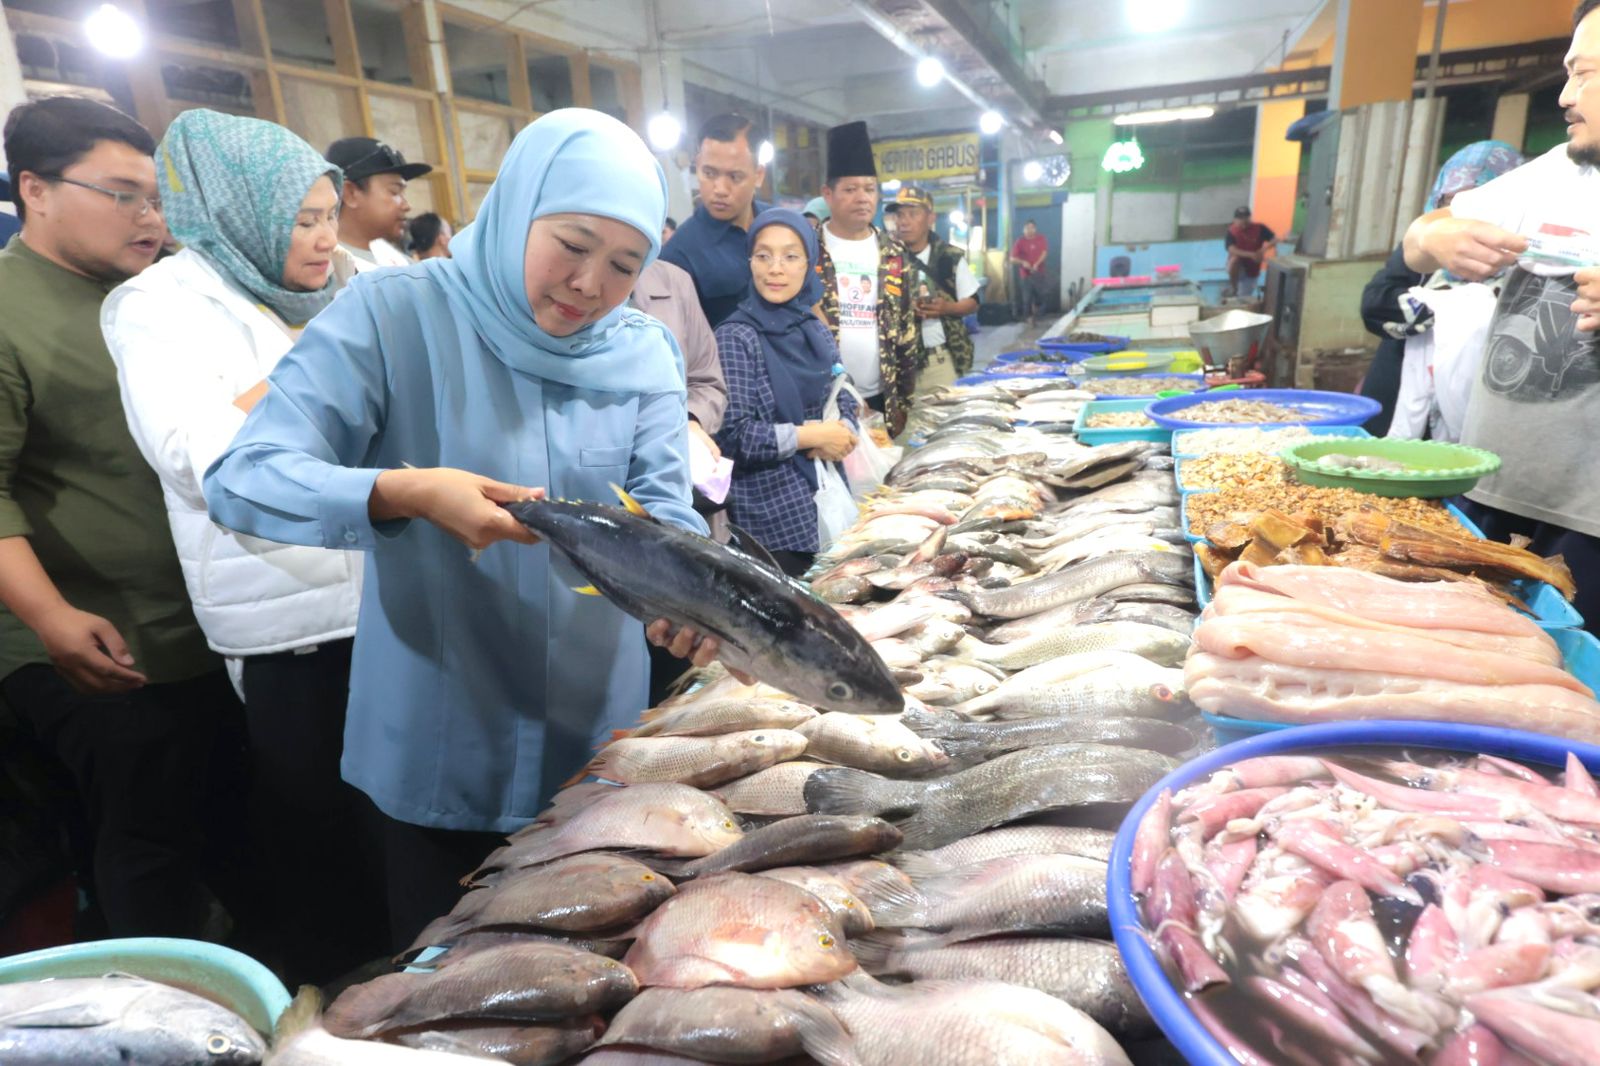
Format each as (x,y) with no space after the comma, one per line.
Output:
(1508,63)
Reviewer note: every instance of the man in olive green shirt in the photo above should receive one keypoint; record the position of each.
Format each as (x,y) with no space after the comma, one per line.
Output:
(100,654)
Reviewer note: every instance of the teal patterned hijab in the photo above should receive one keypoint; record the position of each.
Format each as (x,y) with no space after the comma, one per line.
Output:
(230,189)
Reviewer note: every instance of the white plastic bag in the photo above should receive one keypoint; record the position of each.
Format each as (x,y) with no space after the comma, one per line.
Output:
(867,465)
(836,509)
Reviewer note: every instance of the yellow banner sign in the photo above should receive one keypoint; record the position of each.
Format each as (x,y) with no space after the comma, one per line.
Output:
(927,159)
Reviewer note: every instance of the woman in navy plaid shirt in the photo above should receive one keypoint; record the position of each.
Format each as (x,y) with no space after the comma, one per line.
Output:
(780,361)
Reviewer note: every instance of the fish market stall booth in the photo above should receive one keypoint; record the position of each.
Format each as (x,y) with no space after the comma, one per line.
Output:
(893,843)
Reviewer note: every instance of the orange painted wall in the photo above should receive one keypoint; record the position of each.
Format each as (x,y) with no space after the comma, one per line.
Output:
(1277,164)
(1467,24)
(1379,61)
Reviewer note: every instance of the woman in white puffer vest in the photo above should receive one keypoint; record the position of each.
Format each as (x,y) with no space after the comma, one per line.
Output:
(194,338)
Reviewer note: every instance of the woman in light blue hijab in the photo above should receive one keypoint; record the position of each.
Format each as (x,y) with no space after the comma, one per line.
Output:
(440,391)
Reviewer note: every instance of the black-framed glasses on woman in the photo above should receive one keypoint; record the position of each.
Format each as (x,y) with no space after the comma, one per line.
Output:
(134,205)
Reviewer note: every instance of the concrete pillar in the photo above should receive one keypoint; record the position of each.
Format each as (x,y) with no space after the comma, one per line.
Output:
(1275,166)
(1511,119)
(11,91)
(1374,51)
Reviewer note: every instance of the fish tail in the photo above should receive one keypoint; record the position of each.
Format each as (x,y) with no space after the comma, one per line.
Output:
(822,1036)
(845,790)
(875,952)
(437,933)
(302,1015)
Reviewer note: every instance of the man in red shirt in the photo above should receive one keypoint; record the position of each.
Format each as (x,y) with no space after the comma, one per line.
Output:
(1247,243)
(1028,253)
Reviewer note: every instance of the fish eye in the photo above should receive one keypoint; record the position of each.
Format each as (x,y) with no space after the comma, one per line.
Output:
(219,1044)
(826,940)
(904,755)
(840,691)
(1161,692)
(648,877)
(728,824)
(759,738)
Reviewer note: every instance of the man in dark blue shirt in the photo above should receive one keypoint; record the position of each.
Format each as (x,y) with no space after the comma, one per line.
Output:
(711,244)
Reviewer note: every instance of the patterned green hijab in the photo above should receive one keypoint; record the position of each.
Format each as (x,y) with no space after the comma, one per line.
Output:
(231,188)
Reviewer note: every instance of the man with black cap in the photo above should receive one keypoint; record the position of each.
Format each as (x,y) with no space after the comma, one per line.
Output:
(372,214)
(867,281)
(1247,243)
(946,292)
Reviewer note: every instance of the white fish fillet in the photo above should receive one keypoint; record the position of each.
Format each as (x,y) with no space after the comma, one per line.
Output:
(1336,647)
(1258,689)
(1417,604)
(1238,600)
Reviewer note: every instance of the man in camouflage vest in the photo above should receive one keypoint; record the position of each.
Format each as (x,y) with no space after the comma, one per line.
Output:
(946,293)
(867,281)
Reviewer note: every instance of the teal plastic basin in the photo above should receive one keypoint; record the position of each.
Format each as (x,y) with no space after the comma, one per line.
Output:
(225,976)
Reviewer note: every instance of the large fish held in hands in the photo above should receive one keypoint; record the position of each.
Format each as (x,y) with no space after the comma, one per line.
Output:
(768,625)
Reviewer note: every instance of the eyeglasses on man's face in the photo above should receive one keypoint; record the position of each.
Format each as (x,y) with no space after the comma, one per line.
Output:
(134,205)
(788,262)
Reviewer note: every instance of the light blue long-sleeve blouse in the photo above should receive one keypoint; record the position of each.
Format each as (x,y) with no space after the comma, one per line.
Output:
(477,687)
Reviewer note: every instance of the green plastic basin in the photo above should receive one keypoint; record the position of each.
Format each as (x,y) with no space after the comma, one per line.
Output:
(1433,469)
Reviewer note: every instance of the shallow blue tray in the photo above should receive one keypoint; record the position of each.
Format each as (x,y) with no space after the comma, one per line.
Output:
(1113,343)
(1166,1004)
(1021,355)
(1116,436)
(1321,409)
(1550,609)
(1146,397)
(1316,431)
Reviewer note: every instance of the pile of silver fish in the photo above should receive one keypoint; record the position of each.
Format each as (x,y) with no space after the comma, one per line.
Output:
(1370,908)
(1306,644)
(750,877)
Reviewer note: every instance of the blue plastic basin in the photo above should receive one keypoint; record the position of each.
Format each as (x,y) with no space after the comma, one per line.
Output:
(1180,451)
(1320,408)
(1165,1003)
(223,975)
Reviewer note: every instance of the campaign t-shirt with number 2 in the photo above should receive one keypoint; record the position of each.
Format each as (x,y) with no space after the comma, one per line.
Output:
(855,265)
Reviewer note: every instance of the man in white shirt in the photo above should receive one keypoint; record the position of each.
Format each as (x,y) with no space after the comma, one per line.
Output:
(372,214)
(1536,402)
(945,293)
(867,278)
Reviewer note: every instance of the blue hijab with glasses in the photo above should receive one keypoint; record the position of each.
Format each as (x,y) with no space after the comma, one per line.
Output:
(231,189)
(802,358)
(569,161)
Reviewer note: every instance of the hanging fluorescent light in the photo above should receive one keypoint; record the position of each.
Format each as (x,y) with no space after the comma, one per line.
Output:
(664,131)
(1055,135)
(990,123)
(1122,157)
(1155,16)
(765,153)
(892,185)
(1032,171)
(1166,114)
(930,72)
(114,32)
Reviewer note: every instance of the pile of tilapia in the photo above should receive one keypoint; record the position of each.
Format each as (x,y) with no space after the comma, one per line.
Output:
(745,878)
(1369,908)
